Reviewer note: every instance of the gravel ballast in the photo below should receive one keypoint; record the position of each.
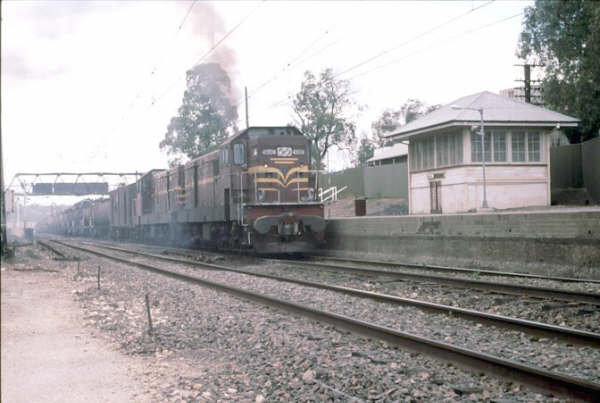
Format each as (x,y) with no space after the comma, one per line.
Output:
(259,353)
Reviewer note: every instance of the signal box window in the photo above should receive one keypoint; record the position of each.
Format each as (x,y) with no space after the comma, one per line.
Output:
(239,156)
(225,157)
(215,165)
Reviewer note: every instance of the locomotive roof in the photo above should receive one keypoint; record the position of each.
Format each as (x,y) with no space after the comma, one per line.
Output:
(152,171)
(270,129)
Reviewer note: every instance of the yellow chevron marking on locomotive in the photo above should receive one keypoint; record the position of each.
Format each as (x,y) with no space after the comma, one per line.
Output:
(275,180)
(269,189)
(276,159)
(263,169)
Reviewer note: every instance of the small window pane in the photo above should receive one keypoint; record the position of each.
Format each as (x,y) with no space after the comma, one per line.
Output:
(458,140)
(428,156)
(488,146)
(499,146)
(441,149)
(533,146)
(518,147)
(238,154)
(225,156)
(476,154)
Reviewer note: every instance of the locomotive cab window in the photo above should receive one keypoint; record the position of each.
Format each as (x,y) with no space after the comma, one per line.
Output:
(239,156)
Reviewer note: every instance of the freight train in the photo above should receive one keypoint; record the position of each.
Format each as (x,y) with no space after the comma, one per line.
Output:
(87,218)
(256,192)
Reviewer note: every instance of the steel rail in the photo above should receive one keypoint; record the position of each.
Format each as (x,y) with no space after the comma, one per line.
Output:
(534,377)
(501,288)
(458,269)
(52,249)
(580,337)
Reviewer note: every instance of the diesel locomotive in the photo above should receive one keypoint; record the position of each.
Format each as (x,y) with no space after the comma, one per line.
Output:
(256,192)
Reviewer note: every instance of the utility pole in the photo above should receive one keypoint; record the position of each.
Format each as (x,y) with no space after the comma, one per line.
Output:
(527,81)
(2,201)
(246,97)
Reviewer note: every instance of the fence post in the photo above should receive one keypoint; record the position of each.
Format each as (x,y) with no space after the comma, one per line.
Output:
(149,316)
(98,277)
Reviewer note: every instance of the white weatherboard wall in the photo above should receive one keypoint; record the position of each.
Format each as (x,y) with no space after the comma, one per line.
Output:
(509,184)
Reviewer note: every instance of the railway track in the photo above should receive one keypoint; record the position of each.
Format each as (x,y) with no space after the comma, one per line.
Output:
(569,335)
(59,254)
(489,286)
(541,379)
(450,269)
(500,288)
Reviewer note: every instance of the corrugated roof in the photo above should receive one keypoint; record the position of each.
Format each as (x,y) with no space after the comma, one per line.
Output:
(396,150)
(497,110)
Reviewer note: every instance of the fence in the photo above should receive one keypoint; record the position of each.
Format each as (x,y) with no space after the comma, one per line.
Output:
(384,181)
(565,167)
(590,156)
(577,166)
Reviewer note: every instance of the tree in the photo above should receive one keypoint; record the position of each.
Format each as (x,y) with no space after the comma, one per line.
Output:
(390,119)
(366,149)
(564,36)
(322,107)
(206,116)
(415,108)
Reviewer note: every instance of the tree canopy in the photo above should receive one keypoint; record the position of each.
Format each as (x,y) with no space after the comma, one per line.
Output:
(366,149)
(206,116)
(564,36)
(322,109)
(390,119)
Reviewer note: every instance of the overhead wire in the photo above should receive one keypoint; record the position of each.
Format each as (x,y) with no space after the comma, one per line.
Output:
(412,39)
(210,51)
(288,65)
(435,45)
(161,59)
(286,100)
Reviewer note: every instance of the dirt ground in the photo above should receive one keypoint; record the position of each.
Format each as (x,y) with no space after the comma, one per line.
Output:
(47,355)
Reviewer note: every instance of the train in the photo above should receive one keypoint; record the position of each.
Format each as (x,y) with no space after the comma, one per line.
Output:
(255,192)
(87,218)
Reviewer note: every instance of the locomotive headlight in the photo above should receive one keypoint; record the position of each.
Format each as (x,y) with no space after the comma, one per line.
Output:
(261,194)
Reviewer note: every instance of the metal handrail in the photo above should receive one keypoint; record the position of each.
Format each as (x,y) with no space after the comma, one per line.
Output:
(334,193)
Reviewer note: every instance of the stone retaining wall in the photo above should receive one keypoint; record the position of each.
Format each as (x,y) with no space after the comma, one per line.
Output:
(559,243)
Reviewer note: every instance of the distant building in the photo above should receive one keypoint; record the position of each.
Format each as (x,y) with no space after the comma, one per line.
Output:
(518,94)
(445,155)
(393,154)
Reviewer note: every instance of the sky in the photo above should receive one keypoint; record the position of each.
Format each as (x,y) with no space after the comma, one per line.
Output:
(91,86)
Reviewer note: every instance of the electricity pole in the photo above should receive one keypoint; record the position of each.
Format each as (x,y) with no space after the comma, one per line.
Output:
(2,201)
(527,81)
(246,97)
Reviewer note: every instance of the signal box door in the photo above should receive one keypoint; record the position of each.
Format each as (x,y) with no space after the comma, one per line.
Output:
(227,205)
(435,195)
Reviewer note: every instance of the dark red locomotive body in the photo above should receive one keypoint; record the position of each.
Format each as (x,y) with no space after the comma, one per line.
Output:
(256,191)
